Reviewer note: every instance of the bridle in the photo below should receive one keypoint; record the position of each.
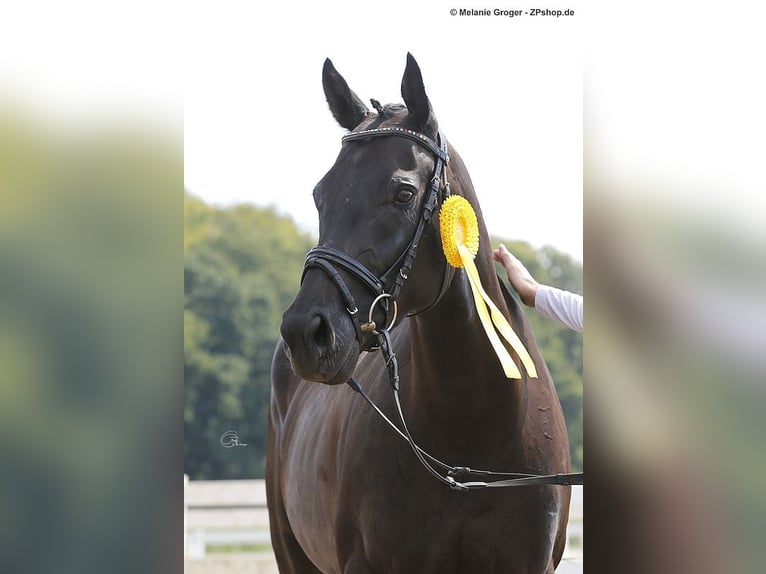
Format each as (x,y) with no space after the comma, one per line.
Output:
(386,289)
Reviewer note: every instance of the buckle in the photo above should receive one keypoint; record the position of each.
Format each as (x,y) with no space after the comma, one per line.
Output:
(454,485)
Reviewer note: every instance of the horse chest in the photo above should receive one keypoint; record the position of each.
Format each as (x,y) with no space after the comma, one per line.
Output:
(448,535)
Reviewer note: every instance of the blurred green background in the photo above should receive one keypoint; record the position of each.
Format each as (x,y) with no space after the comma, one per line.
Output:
(90,345)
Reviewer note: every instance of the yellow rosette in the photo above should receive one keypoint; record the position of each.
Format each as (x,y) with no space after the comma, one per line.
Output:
(460,241)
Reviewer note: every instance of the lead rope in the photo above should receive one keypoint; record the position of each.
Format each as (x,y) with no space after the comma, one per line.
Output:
(518,479)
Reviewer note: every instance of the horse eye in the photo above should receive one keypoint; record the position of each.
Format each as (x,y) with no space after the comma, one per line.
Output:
(404,196)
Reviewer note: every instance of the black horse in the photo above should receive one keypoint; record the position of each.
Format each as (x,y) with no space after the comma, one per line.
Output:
(345,493)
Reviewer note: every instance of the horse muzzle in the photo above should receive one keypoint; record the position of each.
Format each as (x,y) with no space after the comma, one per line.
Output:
(321,343)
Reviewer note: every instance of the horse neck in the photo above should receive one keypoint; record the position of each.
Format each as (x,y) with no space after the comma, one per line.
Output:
(450,341)
(458,382)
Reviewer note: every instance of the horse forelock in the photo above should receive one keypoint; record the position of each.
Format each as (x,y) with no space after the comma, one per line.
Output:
(386,111)
(391,115)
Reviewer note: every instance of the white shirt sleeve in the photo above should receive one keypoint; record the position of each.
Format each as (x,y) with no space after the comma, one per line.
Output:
(561,306)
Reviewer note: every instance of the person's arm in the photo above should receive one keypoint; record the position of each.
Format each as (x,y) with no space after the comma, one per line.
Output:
(556,304)
(561,306)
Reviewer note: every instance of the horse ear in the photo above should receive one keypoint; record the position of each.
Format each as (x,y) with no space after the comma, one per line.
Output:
(414,95)
(345,105)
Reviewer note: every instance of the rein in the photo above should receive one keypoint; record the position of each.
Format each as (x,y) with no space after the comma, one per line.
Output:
(454,474)
(386,289)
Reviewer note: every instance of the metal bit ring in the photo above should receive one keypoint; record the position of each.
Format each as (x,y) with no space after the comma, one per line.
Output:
(370,326)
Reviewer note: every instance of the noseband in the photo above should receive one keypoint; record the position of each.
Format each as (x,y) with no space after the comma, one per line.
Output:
(386,288)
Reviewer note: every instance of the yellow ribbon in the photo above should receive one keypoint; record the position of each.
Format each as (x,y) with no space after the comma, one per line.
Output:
(460,241)
(494,316)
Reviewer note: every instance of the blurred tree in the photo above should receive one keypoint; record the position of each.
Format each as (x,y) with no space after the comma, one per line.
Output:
(242,267)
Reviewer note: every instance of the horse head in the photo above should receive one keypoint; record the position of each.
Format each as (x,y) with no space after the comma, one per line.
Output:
(374,204)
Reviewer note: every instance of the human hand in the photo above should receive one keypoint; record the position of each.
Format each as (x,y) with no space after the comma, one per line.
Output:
(521,280)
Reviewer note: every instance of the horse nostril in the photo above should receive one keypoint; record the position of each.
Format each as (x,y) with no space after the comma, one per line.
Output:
(320,332)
